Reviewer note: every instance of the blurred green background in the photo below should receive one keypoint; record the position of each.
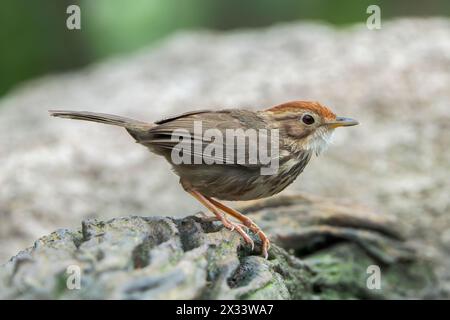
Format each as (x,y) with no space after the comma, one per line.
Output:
(34,39)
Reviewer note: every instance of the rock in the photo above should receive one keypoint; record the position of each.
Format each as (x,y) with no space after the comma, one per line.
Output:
(394,81)
(320,254)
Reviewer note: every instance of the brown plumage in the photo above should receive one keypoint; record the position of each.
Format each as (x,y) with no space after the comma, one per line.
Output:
(303,128)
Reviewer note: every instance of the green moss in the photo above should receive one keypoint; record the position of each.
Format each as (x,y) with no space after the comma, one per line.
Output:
(342,274)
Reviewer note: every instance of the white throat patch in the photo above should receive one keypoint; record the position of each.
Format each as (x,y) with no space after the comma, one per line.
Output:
(319,140)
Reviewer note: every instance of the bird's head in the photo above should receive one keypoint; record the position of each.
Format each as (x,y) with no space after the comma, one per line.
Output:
(306,125)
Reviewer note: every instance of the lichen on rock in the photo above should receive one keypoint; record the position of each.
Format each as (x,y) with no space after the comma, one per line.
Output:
(194,258)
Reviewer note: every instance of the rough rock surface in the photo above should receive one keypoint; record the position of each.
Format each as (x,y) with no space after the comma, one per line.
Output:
(55,173)
(193,258)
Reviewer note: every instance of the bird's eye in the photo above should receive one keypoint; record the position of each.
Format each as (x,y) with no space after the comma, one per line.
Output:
(307,119)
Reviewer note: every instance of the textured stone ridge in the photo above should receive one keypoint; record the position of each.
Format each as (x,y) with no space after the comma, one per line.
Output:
(192,258)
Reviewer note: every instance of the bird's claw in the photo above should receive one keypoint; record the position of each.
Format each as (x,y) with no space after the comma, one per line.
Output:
(232,226)
(265,242)
(249,226)
(265,249)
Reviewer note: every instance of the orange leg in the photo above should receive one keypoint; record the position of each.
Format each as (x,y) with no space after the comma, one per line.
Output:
(220,216)
(246,222)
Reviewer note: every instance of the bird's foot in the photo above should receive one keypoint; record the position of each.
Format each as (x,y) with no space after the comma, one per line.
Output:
(232,226)
(239,228)
(248,224)
(265,242)
(215,206)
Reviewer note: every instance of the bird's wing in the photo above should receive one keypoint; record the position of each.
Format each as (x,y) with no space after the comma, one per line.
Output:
(207,132)
(182,115)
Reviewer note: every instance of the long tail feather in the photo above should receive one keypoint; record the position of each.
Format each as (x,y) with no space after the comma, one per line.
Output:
(102,118)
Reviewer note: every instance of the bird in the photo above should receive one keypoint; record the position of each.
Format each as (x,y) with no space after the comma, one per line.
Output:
(301,128)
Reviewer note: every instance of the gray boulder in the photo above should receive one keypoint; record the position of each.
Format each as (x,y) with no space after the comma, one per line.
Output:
(192,258)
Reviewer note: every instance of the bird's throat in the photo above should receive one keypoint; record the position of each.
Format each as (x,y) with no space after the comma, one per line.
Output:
(319,140)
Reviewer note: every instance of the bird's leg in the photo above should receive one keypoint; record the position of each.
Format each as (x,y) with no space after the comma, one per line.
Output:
(246,221)
(220,216)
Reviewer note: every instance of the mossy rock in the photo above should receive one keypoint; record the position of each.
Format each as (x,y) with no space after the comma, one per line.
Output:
(192,258)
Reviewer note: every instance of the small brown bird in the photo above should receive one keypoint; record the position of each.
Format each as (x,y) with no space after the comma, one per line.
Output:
(211,170)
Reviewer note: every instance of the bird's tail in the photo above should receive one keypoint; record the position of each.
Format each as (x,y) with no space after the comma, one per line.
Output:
(129,124)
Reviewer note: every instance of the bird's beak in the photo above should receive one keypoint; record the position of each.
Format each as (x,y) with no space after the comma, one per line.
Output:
(342,122)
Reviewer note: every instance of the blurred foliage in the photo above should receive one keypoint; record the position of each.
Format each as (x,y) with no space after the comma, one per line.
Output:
(34,39)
